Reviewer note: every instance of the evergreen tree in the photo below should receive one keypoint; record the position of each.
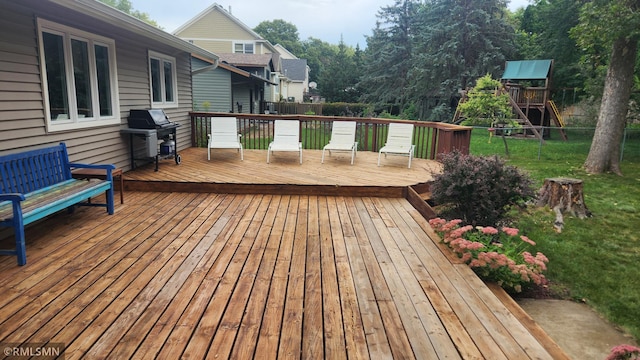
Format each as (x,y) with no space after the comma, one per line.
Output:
(546,24)
(457,42)
(340,77)
(389,54)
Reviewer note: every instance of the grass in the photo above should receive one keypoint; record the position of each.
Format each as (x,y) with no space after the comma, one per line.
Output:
(597,259)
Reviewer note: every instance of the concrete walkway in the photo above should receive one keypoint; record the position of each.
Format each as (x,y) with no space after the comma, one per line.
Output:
(581,332)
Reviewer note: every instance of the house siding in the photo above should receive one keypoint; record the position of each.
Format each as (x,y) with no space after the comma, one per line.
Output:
(241,95)
(200,32)
(22,112)
(212,86)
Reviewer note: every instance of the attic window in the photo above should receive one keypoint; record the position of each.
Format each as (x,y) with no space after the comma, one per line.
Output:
(243,48)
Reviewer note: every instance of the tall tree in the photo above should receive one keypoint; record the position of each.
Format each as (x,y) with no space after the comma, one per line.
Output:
(616,25)
(340,77)
(281,32)
(388,55)
(126,7)
(459,41)
(318,54)
(544,34)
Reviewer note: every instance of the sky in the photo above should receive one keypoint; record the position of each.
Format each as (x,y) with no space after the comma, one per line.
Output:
(327,20)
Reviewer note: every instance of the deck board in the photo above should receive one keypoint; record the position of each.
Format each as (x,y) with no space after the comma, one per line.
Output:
(241,276)
(226,173)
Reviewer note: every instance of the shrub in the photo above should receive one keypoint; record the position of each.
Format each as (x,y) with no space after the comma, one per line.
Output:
(624,352)
(344,109)
(499,256)
(485,105)
(479,189)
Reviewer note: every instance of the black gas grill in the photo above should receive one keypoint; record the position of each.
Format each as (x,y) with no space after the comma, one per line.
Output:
(149,119)
(146,128)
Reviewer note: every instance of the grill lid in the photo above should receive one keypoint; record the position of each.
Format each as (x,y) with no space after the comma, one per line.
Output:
(148,119)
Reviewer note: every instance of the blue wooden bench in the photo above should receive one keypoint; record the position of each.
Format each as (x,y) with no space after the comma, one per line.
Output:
(38,183)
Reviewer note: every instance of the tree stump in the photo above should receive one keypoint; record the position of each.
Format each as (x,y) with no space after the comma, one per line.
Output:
(563,195)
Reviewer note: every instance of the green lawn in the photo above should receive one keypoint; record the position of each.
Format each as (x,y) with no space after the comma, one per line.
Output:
(596,259)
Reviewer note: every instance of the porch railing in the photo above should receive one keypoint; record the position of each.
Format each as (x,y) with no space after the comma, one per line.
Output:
(430,138)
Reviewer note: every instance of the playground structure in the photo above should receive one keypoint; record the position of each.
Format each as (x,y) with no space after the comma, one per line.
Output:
(528,84)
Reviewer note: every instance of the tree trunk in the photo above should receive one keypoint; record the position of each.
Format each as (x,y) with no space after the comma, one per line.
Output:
(604,154)
(563,195)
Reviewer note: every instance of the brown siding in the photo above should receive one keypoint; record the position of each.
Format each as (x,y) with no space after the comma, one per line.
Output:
(22,119)
(21,114)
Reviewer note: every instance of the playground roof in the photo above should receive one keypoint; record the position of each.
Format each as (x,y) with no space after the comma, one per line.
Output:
(527,70)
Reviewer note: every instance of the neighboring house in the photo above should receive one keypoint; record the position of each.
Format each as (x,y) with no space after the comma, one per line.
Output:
(70,70)
(248,96)
(225,88)
(297,73)
(217,30)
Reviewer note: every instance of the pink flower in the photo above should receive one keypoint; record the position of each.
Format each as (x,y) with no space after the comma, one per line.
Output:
(468,242)
(624,351)
(540,256)
(477,263)
(475,245)
(510,231)
(488,230)
(527,240)
(437,222)
(466,256)
(460,231)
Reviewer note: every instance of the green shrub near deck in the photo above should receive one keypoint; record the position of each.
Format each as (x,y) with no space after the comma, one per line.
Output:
(597,259)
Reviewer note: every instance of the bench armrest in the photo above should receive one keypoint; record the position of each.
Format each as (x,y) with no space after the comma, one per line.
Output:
(107,167)
(92,166)
(13,197)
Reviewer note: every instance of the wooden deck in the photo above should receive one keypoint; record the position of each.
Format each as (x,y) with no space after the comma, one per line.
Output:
(240,276)
(227,173)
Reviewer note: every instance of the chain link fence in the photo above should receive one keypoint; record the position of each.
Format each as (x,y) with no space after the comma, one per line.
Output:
(555,144)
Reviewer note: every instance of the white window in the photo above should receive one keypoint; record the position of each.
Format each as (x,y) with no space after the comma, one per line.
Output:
(162,74)
(79,77)
(243,48)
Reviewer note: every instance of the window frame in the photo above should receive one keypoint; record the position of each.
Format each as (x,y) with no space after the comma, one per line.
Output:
(163,104)
(244,47)
(73,120)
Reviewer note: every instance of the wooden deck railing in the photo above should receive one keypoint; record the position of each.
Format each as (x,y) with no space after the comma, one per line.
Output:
(431,138)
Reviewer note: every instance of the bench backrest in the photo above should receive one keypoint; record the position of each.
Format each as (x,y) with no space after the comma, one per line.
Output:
(34,169)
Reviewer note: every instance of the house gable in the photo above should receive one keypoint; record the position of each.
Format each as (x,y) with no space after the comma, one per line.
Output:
(218,31)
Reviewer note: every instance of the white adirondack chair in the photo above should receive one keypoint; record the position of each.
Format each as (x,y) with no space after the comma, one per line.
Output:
(286,137)
(399,141)
(224,135)
(343,136)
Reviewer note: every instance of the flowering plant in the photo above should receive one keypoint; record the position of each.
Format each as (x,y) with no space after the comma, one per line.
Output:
(495,255)
(624,352)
